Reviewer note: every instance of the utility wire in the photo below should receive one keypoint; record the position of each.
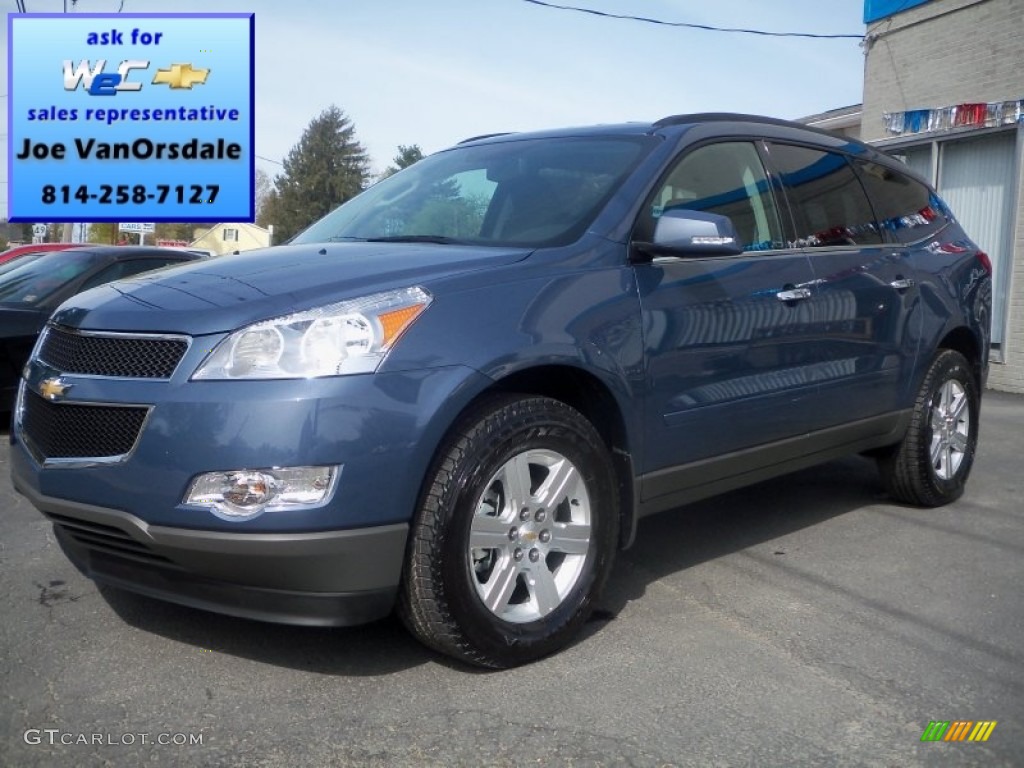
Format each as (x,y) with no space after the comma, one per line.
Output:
(704,27)
(275,162)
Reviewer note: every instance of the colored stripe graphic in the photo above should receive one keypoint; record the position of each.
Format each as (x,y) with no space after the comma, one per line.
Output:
(983,730)
(958,730)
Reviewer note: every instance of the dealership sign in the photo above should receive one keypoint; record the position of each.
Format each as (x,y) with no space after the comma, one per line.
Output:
(130,117)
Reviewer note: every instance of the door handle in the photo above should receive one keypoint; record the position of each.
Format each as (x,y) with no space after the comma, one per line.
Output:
(793,294)
(902,283)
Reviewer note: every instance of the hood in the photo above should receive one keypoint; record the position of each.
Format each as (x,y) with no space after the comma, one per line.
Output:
(228,292)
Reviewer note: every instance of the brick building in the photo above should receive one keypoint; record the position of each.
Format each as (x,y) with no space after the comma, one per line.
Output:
(944,91)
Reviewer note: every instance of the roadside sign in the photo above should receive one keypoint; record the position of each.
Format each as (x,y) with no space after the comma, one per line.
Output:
(39,229)
(137,227)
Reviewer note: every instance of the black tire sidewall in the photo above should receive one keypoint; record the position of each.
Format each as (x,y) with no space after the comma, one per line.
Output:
(949,366)
(567,433)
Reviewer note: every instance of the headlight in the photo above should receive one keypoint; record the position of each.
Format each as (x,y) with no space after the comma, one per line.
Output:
(347,337)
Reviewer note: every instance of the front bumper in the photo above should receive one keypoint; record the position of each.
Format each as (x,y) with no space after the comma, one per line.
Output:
(381,431)
(325,578)
(124,522)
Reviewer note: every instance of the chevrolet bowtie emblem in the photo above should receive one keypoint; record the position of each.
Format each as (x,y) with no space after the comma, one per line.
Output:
(53,389)
(181,76)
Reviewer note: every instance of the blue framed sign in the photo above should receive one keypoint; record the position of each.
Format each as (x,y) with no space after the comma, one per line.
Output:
(131,118)
(879,9)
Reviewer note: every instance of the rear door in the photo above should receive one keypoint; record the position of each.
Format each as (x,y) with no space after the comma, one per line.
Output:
(727,363)
(864,292)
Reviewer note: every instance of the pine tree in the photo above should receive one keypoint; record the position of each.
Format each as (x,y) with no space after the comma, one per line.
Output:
(327,167)
(407,155)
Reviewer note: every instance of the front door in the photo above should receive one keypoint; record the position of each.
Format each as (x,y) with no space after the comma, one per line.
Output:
(727,367)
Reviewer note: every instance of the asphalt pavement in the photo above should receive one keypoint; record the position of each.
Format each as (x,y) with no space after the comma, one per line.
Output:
(803,621)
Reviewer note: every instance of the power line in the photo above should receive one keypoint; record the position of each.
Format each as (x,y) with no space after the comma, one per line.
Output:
(704,27)
(275,162)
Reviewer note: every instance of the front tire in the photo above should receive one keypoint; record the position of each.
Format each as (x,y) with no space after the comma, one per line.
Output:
(930,466)
(515,534)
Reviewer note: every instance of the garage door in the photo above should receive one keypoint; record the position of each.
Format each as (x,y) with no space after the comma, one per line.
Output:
(976,178)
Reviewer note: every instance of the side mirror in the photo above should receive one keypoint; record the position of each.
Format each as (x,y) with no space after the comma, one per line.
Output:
(682,232)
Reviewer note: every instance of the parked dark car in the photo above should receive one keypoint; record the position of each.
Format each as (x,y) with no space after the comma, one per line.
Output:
(24,250)
(459,392)
(34,283)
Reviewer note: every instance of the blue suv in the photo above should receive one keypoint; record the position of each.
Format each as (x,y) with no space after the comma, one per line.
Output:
(458,393)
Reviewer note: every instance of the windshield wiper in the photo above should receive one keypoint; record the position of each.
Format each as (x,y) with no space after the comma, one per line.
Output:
(440,239)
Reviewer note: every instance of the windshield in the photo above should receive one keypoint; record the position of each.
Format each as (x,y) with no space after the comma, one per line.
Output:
(30,280)
(530,192)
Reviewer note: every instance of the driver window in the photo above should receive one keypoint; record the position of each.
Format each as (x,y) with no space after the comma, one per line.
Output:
(727,179)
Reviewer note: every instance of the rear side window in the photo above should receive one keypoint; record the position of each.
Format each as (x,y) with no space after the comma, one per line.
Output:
(907,210)
(727,179)
(830,207)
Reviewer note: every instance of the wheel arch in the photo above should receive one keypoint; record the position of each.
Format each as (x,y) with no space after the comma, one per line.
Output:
(592,397)
(964,341)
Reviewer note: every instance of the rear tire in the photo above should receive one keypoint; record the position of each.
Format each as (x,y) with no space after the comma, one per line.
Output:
(930,466)
(515,534)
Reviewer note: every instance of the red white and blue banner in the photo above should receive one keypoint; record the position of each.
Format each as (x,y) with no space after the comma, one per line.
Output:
(979,115)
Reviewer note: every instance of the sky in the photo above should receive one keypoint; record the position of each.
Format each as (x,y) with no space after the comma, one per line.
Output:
(433,72)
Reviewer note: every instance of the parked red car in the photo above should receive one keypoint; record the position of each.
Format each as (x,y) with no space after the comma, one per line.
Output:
(21,250)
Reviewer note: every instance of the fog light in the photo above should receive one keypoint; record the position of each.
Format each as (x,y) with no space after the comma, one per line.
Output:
(245,493)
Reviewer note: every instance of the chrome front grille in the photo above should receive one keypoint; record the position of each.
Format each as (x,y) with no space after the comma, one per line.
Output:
(87,353)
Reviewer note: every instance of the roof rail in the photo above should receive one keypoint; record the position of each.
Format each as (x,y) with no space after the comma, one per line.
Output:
(710,117)
(485,136)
